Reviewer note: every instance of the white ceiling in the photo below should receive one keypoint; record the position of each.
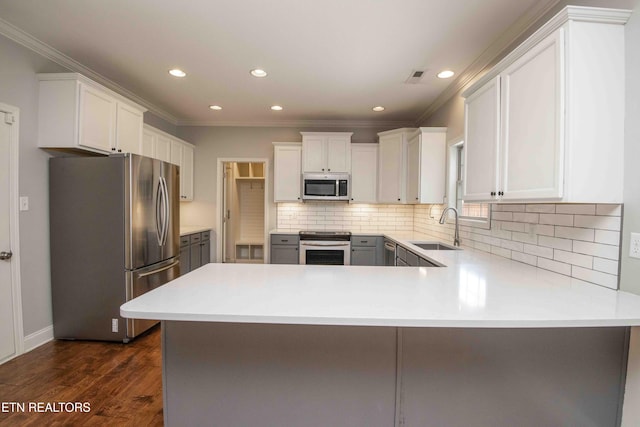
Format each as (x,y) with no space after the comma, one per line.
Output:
(329,61)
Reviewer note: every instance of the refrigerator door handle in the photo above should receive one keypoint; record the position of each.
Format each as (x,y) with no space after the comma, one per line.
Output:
(166,267)
(159,208)
(165,222)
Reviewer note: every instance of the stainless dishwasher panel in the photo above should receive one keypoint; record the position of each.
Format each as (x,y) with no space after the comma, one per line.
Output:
(389,253)
(144,280)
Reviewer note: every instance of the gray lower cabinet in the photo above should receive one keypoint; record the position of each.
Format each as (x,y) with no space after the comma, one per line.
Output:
(406,258)
(195,251)
(284,249)
(367,250)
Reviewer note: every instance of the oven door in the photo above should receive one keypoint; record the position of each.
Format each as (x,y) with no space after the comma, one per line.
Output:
(325,252)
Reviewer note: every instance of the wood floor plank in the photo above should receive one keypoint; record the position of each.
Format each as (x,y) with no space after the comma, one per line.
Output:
(121,382)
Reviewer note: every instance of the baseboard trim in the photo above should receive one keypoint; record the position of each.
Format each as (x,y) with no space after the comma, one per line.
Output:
(38,338)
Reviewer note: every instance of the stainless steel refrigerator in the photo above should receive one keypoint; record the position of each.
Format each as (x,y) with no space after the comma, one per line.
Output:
(114,228)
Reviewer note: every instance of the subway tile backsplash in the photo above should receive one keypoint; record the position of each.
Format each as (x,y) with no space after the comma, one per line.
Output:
(577,240)
(342,216)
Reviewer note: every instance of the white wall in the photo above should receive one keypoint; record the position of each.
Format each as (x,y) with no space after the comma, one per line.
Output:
(630,270)
(19,87)
(213,143)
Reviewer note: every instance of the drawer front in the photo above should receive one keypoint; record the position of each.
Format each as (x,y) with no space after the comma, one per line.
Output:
(184,241)
(363,240)
(285,239)
(195,238)
(412,259)
(401,253)
(206,235)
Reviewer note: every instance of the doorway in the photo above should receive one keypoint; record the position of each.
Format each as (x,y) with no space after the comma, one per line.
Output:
(243,211)
(11,343)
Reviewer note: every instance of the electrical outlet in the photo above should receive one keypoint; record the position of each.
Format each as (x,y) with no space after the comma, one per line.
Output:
(634,245)
(114,325)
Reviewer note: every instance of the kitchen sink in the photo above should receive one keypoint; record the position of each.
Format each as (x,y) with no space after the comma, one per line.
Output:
(435,246)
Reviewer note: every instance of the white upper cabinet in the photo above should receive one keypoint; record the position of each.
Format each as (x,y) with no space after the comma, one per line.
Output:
(482,130)
(426,161)
(155,144)
(287,171)
(364,173)
(182,155)
(547,122)
(129,122)
(77,113)
(97,119)
(326,151)
(392,164)
(163,146)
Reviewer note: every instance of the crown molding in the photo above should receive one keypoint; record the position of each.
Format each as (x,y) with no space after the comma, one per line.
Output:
(569,13)
(350,124)
(27,40)
(495,49)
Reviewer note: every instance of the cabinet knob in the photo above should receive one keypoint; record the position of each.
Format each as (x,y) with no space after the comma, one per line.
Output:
(113,149)
(298,198)
(398,199)
(416,198)
(500,193)
(119,151)
(329,170)
(493,193)
(322,169)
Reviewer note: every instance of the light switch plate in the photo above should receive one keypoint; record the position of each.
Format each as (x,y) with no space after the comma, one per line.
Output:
(634,245)
(24,203)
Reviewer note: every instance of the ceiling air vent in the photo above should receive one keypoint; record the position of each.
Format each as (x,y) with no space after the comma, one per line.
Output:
(415,77)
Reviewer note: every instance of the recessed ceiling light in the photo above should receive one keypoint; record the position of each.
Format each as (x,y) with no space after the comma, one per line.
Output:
(215,107)
(276,108)
(445,74)
(176,72)
(258,73)
(378,108)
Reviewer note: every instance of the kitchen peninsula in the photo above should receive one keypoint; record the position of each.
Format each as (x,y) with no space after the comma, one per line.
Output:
(484,341)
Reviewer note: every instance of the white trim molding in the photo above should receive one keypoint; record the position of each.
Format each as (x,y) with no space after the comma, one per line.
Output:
(36,339)
(14,233)
(27,40)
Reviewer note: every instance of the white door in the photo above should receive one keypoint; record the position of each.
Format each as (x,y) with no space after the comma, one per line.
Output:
(413,169)
(314,154)
(8,290)
(482,131)
(338,154)
(532,116)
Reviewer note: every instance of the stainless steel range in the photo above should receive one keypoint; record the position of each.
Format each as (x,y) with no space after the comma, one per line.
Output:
(325,247)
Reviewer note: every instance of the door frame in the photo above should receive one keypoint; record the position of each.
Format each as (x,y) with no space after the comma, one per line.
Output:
(220,178)
(14,232)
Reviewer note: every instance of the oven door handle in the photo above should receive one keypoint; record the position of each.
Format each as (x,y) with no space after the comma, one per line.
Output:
(321,244)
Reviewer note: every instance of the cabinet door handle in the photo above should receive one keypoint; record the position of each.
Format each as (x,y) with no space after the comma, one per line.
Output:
(285,240)
(493,193)
(500,193)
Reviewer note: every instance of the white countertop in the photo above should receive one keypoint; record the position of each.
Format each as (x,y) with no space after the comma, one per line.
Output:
(476,289)
(190,229)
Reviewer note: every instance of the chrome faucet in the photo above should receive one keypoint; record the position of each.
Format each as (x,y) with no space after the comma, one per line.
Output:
(456,236)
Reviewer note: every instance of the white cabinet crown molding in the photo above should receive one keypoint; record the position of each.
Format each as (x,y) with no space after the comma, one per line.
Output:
(569,13)
(83,79)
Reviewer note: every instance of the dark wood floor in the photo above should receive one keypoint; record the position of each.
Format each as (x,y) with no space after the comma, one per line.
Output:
(121,382)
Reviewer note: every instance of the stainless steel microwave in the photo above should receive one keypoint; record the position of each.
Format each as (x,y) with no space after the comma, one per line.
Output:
(326,186)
